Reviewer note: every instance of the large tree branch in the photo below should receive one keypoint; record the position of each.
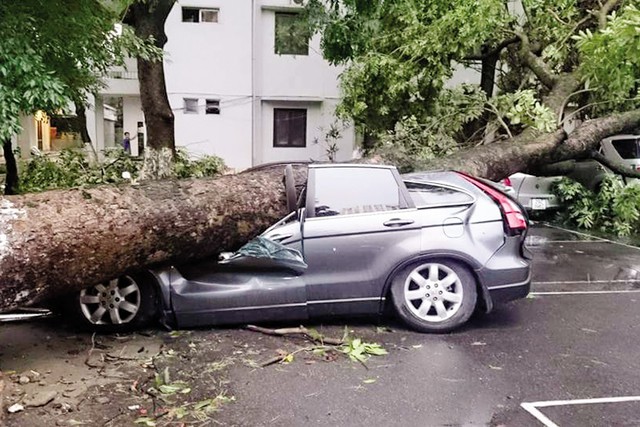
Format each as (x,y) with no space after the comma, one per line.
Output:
(535,63)
(498,160)
(588,135)
(487,52)
(617,167)
(604,12)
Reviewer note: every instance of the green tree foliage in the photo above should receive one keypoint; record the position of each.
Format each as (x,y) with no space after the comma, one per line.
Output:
(615,208)
(610,61)
(71,169)
(53,52)
(399,53)
(398,56)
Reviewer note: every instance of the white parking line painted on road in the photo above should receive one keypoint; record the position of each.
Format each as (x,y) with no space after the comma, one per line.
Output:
(532,407)
(586,282)
(594,237)
(535,244)
(633,291)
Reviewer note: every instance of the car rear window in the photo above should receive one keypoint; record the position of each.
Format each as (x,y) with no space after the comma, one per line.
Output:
(627,148)
(347,191)
(429,195)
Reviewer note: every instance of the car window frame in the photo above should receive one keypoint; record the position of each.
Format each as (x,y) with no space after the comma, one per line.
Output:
(405,200)
(448,187)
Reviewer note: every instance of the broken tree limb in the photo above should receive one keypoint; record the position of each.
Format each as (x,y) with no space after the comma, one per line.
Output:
(299,331)
(60,241)
(617,167)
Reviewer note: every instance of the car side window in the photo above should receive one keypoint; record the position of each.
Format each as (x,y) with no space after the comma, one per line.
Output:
(429,195)
(348,191)
(627,148)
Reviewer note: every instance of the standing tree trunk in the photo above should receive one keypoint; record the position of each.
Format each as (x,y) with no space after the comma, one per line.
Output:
(148,18)
(81,122)
(11,183)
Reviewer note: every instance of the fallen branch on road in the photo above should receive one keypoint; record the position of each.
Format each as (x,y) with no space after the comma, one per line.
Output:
(310,334)
(353,348)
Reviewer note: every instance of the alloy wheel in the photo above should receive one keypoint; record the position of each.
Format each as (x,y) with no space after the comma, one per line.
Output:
(433,292)
(111,303)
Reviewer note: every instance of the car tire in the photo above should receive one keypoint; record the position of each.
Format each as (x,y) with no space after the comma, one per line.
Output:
(435,295)
(120,305)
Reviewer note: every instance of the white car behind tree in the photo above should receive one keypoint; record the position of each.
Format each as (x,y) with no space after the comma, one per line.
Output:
(534,192)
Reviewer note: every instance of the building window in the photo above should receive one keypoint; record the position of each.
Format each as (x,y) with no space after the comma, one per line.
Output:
(195,14)
(292,34)
(190,105)
(289,127)
(212,106)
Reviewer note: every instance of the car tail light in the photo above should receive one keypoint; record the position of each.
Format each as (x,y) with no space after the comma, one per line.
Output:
(514,216)
(506,182)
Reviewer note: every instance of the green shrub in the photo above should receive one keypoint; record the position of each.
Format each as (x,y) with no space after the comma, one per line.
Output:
(183,167)
(615,208)
(70,168)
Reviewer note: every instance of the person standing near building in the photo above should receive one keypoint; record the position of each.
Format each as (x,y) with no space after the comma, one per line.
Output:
(126,142)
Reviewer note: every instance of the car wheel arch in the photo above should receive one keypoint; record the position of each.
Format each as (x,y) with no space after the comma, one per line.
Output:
(483,302)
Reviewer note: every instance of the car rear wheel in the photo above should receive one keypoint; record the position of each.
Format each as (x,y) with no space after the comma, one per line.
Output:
(434,295)
(122,304)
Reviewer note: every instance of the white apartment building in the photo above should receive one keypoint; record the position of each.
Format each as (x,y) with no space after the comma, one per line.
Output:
(239,84)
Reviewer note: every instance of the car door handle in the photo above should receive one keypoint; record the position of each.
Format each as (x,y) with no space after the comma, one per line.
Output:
(397,222)
(279,237)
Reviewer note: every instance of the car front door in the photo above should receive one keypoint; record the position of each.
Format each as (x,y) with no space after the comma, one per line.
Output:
(360,223)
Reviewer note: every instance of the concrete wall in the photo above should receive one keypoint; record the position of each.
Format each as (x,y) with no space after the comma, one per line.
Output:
(234,61)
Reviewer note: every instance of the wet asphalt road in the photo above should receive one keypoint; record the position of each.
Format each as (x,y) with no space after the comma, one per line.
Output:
(576,337)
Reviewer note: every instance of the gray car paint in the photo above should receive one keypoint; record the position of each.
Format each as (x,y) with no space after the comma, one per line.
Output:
(352,258)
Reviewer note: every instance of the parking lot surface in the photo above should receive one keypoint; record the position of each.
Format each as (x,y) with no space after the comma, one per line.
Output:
(565,356)
(576,337)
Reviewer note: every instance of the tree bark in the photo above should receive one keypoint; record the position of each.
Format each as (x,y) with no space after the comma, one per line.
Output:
(533,151)
(11,182)
(81,121)
(59,241)
(148,19)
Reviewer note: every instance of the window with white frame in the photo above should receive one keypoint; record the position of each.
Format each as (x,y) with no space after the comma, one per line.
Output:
(290,127)
(196,14)
(291,34)
(191,105)
(212,106)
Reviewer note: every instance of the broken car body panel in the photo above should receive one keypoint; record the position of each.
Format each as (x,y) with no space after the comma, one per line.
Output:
(357,227)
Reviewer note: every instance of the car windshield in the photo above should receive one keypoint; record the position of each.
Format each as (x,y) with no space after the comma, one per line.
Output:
(628,148)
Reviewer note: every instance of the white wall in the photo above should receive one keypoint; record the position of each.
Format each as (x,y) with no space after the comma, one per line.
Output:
(319,119)
(234,61)
(292,76)
(212,61)
(227,134)
(131,115)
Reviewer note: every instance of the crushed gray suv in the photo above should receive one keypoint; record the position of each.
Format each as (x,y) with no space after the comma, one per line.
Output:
(435,246)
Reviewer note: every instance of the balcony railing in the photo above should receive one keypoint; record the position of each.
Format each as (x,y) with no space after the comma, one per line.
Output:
(122,75)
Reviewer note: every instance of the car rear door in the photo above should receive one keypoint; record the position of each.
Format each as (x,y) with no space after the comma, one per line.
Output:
(360,224)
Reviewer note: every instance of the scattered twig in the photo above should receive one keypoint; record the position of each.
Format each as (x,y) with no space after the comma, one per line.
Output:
(296,331)
(112,419)
(93,347)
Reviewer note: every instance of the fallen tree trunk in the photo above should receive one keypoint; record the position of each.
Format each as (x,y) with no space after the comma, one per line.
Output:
(60,241)
(532,152)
